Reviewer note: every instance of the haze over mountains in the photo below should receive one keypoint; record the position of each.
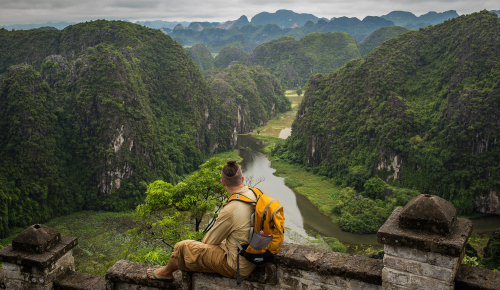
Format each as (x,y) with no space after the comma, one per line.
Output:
(283,18)
(292,61)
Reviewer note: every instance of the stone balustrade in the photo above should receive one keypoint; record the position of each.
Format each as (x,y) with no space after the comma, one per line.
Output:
(424,245)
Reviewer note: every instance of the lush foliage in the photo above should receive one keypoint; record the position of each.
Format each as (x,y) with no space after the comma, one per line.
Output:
(491,257)
(229,54)
(249,36)
(294,61)
(283,18)
(420,110)
(173,213)
(250,95)
(201,56)
(360,214)
(378,37)
(403,18)
(103,109)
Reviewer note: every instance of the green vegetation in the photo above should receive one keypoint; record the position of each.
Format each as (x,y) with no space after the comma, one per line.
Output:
(378,37)
(201,56)
(229,54)
(294,61)
(283,18)
(250,95)
(96,117)
(491,258)
(173,213)
(403,18)
(419,112)
(102,238)
(249,36)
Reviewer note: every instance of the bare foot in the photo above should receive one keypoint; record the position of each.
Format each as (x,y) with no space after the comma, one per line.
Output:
(160,273)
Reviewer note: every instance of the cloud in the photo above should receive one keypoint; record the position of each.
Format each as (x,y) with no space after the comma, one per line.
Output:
(39,11)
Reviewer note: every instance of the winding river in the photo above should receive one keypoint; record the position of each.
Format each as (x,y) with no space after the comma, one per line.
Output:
(301,216)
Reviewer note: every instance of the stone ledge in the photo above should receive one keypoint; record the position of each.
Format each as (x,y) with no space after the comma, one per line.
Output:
(79,281)
(2,285)
(331,263)
(472,278)
(134,273)
(9,255)
(452,244)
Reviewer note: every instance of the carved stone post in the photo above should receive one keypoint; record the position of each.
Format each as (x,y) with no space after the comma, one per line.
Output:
(36,258)
(424,244)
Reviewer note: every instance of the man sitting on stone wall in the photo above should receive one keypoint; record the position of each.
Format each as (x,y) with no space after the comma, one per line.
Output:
(218,251)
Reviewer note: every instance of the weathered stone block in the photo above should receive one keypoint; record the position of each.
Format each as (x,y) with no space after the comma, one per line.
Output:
(39,260)
(413,281)
(79,281)
(431,258)
(2,284)
(389,286)
(429,213)
(452,244)
(330,263)
(126,272)
(21,285)
(204,281)
(36,239)
(11,267)
(472,278)
(419,268)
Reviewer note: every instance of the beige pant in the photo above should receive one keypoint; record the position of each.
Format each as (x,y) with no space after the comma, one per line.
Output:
(199,257)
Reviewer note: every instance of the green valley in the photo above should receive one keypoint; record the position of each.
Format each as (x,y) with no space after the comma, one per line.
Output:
(415,113)
(97,111)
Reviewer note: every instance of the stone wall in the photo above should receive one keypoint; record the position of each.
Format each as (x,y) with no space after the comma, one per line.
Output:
(297,267)
(424,245)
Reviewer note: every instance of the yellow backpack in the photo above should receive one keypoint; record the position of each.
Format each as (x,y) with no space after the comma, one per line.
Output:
(267,229)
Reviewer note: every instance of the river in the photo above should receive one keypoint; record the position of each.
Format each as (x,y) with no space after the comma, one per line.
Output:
(301,216)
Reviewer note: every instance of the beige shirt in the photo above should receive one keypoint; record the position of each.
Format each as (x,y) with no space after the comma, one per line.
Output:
(233,221)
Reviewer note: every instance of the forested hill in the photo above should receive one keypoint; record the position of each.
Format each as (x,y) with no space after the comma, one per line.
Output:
(293,61)
(93,113)
(283,18)
(251,95)
(201,56)
(249,36)
(421,109)
(378,37)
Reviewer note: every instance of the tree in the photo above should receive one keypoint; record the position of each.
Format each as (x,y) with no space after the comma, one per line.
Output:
(374,188)
(299,91)
(173,213)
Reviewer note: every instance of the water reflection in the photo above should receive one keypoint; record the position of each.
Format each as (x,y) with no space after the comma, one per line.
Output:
(256,164)
(284,133)
(305,218)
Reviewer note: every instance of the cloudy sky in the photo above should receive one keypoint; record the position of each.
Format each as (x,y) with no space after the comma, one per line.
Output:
(39,11)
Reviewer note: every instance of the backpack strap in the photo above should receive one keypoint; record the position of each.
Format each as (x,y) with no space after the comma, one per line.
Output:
(238,277)
(256,191)
(239,197)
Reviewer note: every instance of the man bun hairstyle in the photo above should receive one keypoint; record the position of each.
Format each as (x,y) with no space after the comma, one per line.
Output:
(231,174)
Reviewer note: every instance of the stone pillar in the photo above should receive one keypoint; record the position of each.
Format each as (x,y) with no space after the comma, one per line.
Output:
(36,258)
(424,245)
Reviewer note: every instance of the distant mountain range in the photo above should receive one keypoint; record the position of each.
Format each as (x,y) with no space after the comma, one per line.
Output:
(283,18)
(288,23)
(292,61)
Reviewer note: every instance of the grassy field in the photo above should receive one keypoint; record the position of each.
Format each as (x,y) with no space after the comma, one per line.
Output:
(102,238)
(319,190)
(230,155)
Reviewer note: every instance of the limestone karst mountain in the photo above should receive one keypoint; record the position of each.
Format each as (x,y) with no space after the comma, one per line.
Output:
(95,112)
(294,61)
(421,109)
